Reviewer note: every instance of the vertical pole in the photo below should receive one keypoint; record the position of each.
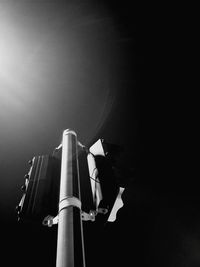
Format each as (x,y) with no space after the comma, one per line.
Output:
(70,247)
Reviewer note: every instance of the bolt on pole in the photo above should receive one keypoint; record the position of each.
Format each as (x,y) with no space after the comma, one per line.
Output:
(70,242)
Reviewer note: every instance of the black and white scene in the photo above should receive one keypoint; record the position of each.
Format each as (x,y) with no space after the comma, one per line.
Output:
(94,140)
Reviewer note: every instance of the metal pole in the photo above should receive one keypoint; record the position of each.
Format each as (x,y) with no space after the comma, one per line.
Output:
(70,247)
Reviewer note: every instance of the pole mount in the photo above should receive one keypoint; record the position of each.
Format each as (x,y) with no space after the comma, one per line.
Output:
(69,201)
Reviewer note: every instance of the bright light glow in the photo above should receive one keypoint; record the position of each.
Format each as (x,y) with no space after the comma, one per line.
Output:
(15,51)
(26,65)
(51,63)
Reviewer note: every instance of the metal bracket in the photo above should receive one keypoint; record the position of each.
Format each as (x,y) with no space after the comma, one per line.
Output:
(102,210)
(79,144)
(88,216)
(50,220)
(91,215)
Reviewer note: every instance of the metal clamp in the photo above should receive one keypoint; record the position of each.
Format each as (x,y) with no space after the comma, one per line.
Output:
(64,203)
(50,220)
(102,210)
(92,214)
(88,216)
(69,201)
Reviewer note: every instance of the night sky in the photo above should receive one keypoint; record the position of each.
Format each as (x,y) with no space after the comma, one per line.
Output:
(105,70)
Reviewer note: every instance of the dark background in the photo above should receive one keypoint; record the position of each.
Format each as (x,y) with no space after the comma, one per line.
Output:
(107,70)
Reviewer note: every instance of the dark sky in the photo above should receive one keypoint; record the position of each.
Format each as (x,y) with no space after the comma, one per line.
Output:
(104,70)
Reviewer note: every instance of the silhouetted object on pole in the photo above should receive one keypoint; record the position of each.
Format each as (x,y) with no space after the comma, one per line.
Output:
(40,189)
(72,187)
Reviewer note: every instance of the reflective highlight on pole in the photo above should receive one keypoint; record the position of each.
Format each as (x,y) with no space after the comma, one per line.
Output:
(70,243)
